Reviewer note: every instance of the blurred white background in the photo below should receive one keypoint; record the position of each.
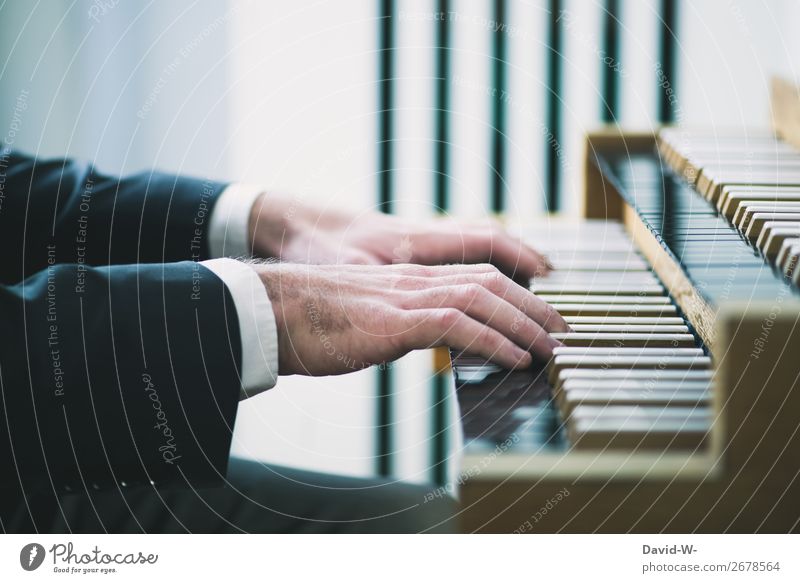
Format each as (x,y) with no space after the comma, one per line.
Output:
(287,94)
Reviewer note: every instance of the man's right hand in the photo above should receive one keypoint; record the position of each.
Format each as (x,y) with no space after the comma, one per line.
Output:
(333,319)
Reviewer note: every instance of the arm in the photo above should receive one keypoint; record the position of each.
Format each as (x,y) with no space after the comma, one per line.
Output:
(132,379)
(64,210)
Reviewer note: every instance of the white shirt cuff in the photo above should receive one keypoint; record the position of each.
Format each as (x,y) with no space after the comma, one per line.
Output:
(257,328)
(228,230)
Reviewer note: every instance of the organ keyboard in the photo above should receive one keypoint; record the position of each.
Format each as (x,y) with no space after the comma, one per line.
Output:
(673,404)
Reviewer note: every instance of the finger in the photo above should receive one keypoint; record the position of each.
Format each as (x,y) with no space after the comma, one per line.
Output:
(416,277)
(449,327)
(481,305)
(523,299)
(428,271)
(543,260)
(508,253)
(472,242)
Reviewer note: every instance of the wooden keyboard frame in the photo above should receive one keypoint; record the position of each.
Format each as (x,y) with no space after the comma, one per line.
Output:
(748,480)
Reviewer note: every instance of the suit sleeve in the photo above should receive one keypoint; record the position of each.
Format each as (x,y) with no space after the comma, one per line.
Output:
(129,376)
(69,209)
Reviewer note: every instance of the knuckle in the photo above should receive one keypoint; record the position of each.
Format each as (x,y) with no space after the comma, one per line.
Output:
(410,282)
(447,318)
(421,271)
(471,292)
(521,325)
(541,305)
(406,301)
(487,337)
(531,304)
(494,281)
(411,270)
(543,308)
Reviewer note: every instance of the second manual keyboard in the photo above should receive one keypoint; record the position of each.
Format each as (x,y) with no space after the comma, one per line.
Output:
(753,181)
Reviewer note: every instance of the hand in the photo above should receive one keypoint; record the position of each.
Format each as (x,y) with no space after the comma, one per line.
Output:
(336,319)
(298,233)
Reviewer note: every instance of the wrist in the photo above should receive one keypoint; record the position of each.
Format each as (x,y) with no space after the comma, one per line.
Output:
(275,277)
(269,225)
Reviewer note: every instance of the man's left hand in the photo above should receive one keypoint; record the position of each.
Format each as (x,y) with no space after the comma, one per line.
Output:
(295,232)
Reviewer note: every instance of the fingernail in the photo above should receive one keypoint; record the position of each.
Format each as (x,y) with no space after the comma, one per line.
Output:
(548,263)
(554,343)
(523,357)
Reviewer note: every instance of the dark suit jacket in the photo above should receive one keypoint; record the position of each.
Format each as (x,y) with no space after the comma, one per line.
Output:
(119,353)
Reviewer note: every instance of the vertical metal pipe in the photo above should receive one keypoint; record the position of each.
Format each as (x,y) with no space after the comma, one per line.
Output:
(665,74)
(498,153)
(610,63)
(554,95)
(441,194)
(386,46)
(442,113)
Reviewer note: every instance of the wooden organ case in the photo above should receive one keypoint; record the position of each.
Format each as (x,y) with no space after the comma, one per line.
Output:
(705,438)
